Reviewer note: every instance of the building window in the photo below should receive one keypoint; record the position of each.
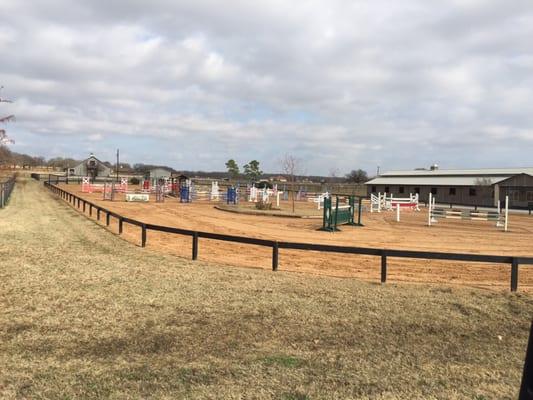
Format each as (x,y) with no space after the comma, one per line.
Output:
(386,189)
(472,192)
(373,189)
(401,189)
(417,190)
(71,171)
(529,196)
(452,191)
(433,191)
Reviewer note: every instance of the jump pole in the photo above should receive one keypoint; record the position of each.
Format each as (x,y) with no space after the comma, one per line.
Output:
(429,208)
(359,210)
(398,212)
(506,212)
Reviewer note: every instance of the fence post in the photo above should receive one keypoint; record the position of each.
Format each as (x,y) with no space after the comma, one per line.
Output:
(275,256)
(143,235)
(107,219)
(120,222)
(514,274)
(383,267)
(2,196)
(84,204)
(98,214)
(195,246)
(90,210)
(526,388)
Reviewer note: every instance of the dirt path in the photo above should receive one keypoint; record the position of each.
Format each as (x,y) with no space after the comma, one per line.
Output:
(380,231)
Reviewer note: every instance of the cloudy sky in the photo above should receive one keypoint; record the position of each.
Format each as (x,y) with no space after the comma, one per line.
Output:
(338,84)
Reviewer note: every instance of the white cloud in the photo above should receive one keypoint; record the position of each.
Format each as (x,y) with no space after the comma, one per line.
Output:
(347,82)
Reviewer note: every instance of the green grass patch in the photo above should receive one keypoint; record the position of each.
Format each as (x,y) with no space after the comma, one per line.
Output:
(284,361)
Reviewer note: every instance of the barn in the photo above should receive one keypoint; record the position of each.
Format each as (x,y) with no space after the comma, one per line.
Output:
(92,167)
(481,187)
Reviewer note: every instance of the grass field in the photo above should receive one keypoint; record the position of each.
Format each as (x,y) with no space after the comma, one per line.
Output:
(85,314)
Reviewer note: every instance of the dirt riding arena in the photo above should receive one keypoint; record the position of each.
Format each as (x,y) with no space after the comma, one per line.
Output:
(380,231)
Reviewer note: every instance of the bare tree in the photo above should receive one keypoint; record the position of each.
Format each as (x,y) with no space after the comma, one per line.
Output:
(291,167)
(357,176)
(484,185)
(333,173)
(4,139)
(483,182)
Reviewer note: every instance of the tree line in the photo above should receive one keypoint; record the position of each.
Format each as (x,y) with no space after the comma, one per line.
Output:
(290,168)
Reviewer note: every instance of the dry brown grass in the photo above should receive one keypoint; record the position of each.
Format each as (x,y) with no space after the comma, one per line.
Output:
(85,314)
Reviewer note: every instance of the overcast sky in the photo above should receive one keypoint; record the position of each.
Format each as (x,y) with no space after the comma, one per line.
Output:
(339,84)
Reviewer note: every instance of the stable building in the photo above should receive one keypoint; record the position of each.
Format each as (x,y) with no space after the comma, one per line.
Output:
(92,167)
(481,187)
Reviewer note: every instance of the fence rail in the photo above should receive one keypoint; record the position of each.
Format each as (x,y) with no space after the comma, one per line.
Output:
(6,188)
(384,254)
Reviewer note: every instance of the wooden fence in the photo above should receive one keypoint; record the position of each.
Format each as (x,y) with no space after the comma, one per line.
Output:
(6,187)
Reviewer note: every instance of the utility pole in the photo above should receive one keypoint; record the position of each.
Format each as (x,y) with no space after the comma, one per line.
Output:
(117,163)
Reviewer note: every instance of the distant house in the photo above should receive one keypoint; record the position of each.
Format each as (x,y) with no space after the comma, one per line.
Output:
(124,170)
(279,178)
(482,187)
(92,167)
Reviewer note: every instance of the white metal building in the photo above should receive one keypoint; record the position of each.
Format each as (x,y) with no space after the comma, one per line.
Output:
(482,187)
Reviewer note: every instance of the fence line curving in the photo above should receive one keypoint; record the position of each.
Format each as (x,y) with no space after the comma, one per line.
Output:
(384,254)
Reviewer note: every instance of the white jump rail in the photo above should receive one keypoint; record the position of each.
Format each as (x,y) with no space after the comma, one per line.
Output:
(500,217)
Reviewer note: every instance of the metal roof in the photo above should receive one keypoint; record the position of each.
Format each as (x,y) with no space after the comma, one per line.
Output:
(435,180)
(481,172)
